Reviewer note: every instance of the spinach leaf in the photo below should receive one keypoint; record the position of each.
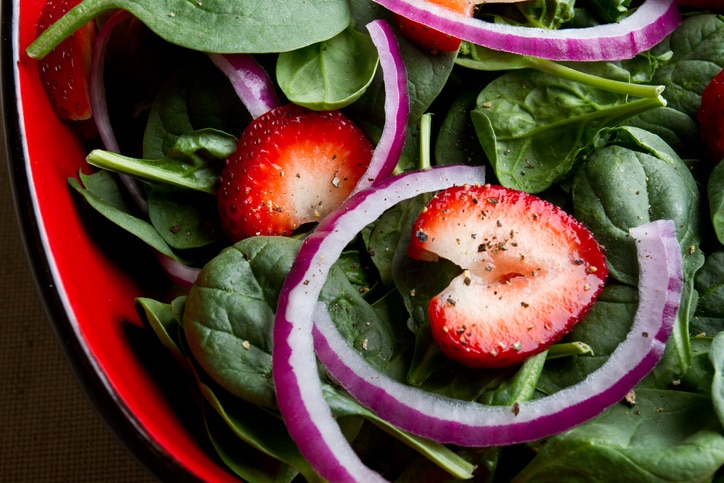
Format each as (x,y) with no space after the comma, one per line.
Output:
(709,282)
(533,126)
(220,26)
(185,218)
(520,387)
(164,321)
(331,74)
(666,436)
(102,192)
(697,57)
(389,232)
(603,329)
(716,356)
(262,430)
(194,161)
(633,179)
(241,458)
(679,130)
(668,373)
(197,98)
(229,316)
(602,75)
(715,190)
(456,141)
(343,405)
(609,11)
(549,14)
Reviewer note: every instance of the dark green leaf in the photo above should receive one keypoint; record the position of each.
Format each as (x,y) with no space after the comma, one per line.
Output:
(220,26)
(666,436)
(331,74)
(715,189)
(533,126)
(104,196)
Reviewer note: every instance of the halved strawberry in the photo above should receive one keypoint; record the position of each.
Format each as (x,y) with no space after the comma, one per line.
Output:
(711,118)
(65,71)
(429,38)
(530,272)
(292,166)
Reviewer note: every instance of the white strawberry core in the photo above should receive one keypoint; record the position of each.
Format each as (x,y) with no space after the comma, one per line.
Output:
(312,194)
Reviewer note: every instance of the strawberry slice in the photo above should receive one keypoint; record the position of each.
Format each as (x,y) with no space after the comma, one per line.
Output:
(711,118)
(428,38)
(65,71)
(530,272)
(292,166)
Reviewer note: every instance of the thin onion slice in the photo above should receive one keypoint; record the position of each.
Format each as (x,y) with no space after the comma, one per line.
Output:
(397,106)
(99,105)
(299,391)
(647,26)
(180,274)
(250,81)
(472,424)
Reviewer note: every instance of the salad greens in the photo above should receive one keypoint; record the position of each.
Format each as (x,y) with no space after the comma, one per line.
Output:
(613,143)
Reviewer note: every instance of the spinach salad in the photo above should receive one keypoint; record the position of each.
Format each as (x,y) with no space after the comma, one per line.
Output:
(616,144)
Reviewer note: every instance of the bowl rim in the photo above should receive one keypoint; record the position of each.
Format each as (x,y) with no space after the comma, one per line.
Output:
(107,403)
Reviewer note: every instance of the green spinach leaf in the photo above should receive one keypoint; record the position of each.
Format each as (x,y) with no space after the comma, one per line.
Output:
(194,161)
(260,429)
(665,436)
(197,98)
(102,192)
(533,126)
(716,356)
(709,282)
(715,190)
(186,219)
(633,179)
(220,26)
(603,329)
(697,57)
(331,74)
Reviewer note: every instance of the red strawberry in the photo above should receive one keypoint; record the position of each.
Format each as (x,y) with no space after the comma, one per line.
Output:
(711,118)
(429,38)
(530,273)
(292,166)
(65,71)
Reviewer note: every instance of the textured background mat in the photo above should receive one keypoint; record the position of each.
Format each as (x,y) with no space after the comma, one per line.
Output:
(48,430)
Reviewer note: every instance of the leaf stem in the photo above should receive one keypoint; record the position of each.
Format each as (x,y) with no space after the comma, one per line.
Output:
(626,88)
(66,25)
(425,140)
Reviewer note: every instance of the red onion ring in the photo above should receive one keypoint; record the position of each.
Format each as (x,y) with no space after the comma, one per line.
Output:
(397,106)
(647,26)
(97,94)
(177,272)
(250,81)
(473,424)
(299,390)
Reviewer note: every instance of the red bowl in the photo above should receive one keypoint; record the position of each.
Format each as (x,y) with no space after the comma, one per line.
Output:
(88,279)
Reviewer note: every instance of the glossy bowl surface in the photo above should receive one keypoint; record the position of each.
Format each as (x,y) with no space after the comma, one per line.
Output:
(88,276)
